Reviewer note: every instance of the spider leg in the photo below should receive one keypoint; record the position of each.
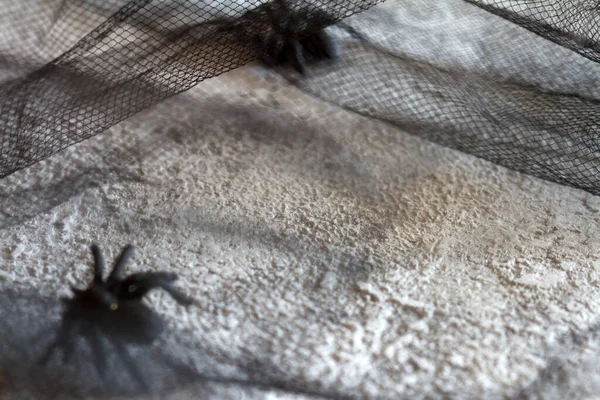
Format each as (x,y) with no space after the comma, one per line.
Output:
(270,51)
(177,295)
(98,263)
(99,353)
(117,272)
(180,368)
(69,343)
(136,286)
(296,57)
(63,338)
(319,46)
(49,350)
(131,366)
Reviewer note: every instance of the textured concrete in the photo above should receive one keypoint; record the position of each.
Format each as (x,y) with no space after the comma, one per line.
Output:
(336,249)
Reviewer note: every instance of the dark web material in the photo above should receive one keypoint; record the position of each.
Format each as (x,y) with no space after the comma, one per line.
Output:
(82,66)
(515,124)
(573,24)
(143,53)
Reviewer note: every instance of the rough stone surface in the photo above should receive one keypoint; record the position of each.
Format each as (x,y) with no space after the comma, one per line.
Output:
(340,250)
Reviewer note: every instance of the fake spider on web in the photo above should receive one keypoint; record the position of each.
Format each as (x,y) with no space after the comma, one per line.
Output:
(281,35)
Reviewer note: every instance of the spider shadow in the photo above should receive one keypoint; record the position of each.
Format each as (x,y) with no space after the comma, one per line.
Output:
(26,310)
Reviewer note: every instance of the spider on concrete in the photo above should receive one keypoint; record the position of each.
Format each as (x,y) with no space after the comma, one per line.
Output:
(113,309)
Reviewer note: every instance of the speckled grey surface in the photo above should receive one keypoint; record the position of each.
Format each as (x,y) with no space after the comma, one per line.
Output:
(337,249)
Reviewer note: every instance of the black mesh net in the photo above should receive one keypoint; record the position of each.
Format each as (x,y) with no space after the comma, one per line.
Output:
(73,68)
(144,52)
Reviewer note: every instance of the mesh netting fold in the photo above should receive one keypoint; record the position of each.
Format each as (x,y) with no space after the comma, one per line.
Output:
(572,24)
(546,134)
(138,56)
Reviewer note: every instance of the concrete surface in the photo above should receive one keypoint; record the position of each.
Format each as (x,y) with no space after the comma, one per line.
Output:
(338,250)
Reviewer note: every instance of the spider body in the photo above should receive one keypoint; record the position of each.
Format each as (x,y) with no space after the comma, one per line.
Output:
(281,36)
(113,309)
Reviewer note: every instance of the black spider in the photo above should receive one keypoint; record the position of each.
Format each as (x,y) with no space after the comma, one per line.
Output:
(113,309)
(279,35)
